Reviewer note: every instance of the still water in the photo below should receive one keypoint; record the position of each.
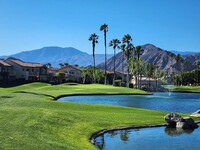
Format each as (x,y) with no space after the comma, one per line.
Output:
(176,102)
(159,138)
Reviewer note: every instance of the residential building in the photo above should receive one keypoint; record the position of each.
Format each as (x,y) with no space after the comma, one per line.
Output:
(27,71)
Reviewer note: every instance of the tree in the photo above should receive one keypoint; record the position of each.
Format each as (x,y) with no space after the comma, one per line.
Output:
(122,47)
(66,64)
(104,28)
(197,64)
(99,74)
(138,52)
(61,65)
(94,38)
(115,44)
(149,72)
(132,66)
(129,48)
(178,64)
(48,65)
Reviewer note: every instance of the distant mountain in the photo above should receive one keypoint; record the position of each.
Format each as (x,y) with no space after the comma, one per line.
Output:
(56,55)
(184,53)
(164,59)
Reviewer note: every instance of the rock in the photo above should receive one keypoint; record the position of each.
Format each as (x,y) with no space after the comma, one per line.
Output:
(196,114)
(186,123)
(172,119)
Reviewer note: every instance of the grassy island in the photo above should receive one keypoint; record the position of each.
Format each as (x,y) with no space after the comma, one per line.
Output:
(31,119)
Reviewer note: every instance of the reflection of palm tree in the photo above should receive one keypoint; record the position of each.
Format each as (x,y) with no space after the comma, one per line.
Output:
(100,143)
(94,39)
(104,28)
(115,44)
(124,135)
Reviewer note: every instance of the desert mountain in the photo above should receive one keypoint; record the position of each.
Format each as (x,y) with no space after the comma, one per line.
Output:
(56,55)
(164,59)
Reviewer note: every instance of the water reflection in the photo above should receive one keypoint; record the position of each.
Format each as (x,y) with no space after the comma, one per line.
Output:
(149,138)
(177,131)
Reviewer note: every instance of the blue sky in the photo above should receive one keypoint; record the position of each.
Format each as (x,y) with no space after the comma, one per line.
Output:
(33,24)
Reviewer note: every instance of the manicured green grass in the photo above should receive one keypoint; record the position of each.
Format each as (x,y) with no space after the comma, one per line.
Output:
(193,89)
(33,121)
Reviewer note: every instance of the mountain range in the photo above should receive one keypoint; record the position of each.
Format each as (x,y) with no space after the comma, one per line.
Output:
(164,59)
(56,55)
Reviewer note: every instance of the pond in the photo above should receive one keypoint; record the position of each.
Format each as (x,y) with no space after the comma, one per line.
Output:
(159,138)
(176,102)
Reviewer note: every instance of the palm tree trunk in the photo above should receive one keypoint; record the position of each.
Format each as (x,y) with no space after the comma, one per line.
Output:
(94,62)
(114,68)
(105,82)
(122,66)
(128,72)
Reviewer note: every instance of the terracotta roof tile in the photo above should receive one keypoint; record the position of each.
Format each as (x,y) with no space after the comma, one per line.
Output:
(4,63)
(26,64)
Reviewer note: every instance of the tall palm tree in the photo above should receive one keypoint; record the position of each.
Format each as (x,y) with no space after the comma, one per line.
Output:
(197,64)
(122,47)
(94,38)
(129,48)
(115,44)
(104,28)
(178,63)
(138,52)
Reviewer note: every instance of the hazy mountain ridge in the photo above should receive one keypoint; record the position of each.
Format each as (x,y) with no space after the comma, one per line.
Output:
(56,55)
(164,59)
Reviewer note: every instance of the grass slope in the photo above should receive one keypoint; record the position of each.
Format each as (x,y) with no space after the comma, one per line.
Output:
(32,121)
(193,89)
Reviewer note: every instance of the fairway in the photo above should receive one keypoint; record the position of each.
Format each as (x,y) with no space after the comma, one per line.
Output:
(31,119)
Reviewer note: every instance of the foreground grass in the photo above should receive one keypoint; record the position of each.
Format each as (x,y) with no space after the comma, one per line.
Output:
(32,121)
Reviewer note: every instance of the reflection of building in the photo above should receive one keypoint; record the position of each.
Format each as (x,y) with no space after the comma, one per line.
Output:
(17,69)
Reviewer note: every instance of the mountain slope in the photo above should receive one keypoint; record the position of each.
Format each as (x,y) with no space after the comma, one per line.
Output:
(165,60)
(56,55)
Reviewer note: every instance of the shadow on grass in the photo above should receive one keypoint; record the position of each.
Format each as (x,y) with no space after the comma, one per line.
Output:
(6,97)
(9,84)
(40,94)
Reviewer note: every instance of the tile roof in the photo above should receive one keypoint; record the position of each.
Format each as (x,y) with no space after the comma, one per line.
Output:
(26,64)
(4,63)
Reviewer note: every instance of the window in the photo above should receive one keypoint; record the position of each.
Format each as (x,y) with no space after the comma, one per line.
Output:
(33,70)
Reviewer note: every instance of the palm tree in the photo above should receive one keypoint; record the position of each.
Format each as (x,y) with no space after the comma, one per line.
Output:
(94,38)
(197,64)
(115,44)
(178,63)
(138,53)
(129,48)
(122,47)
(48,65)
(61,65)
(104,28)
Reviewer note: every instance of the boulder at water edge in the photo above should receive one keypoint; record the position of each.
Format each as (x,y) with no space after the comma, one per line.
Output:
(177,121)
(186,123)
(172,119)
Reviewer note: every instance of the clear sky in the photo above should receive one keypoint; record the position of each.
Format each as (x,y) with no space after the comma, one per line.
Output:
(33,24)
